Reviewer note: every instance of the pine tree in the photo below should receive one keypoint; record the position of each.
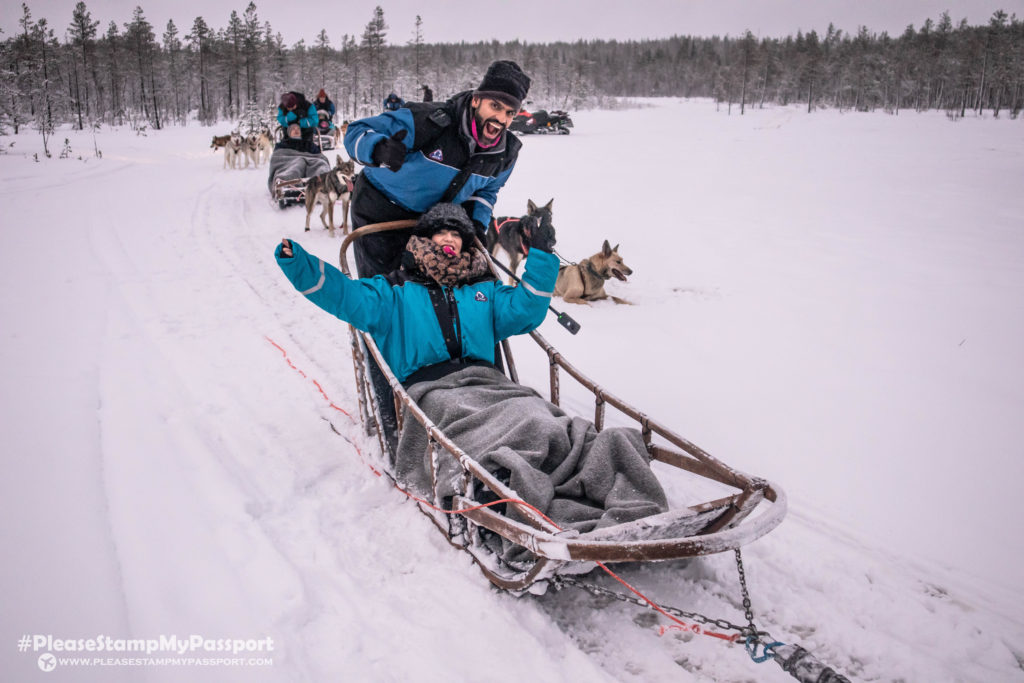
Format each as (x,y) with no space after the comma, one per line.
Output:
(198,39)
(322,49)
(417,47)
(112,48)
(234,35)
(251,40)
(372,47)
(83,37)
(172,46)
(139,36)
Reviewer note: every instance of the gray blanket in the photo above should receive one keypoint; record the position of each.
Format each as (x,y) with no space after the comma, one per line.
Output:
(581,478)
(290,164)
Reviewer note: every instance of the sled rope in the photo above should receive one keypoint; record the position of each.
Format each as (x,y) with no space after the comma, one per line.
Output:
(315,383)
(409,494)
(795,661)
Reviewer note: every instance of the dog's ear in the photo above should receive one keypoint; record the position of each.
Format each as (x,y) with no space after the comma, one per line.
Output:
(616,248)
(339,160)
(606,248)
(548,205)
(530,206)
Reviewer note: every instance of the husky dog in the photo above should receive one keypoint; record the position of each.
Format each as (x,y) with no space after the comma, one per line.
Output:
(264,147)
(584,281)
(328,188)
(512,235)
(233,150)
(219,141)
(251,150)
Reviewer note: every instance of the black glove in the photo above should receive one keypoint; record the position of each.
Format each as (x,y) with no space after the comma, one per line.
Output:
(390,152)
(481,231)
(542,236)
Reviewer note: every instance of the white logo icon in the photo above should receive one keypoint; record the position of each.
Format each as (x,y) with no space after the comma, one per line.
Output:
(47,662)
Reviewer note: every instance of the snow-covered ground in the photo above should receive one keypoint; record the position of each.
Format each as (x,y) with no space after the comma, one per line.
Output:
(832,301)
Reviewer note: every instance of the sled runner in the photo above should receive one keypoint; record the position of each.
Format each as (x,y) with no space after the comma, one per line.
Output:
(491,518)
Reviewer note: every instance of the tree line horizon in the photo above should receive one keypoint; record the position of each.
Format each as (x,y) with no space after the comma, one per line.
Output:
(125,75)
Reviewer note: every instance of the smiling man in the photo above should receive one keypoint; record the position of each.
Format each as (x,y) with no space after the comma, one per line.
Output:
(457,151)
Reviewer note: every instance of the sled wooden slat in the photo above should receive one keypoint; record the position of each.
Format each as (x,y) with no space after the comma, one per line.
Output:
(713,526)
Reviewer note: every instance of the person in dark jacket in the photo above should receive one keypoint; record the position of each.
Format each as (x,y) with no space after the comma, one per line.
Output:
(393,102)
(324,103)
(293,139)
(428,152)
(294,108)
(428,94)
(419,341)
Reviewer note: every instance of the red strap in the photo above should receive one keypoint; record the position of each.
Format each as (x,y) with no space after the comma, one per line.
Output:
(498,226)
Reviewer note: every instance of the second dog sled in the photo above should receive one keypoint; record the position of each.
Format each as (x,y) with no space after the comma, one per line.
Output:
(734,508)
(290,170)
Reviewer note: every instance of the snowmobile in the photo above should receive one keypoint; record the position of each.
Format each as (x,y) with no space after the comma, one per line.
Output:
(555,121)
(733,508)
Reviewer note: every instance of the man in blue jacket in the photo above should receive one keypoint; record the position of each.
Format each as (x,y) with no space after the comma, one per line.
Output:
(420,338)
(457,151)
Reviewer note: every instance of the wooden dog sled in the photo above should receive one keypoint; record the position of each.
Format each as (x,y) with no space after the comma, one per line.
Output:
(741,508)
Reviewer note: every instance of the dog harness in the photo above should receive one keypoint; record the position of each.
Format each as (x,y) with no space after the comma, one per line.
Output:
(334,185)
(510,219)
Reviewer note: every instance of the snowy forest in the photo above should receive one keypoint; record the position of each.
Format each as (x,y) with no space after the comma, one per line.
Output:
(87,75)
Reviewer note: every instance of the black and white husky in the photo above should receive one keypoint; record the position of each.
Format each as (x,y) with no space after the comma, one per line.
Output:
(512,235)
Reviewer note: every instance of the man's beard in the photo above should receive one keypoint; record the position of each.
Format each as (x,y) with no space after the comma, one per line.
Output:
(481,127)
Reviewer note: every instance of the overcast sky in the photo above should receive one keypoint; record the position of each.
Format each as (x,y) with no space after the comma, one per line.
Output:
(528,20)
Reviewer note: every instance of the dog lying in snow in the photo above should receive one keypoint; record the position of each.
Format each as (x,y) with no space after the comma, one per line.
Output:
(584,282)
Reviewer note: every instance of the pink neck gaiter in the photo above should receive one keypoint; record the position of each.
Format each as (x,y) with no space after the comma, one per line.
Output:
(476,136)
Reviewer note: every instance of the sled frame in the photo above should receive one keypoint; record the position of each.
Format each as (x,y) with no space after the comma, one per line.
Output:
(714,526)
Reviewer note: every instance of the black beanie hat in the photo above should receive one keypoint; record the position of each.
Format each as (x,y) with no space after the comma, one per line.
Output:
(506,82)
(446,217)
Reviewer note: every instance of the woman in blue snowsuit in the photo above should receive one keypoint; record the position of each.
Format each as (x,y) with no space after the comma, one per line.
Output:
(436,321)
(443,309)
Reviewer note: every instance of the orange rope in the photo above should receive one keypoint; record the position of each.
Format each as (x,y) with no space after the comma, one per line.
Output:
(679,624)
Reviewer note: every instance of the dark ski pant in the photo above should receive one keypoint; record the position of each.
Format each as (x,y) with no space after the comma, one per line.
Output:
(381,253)
(378,254)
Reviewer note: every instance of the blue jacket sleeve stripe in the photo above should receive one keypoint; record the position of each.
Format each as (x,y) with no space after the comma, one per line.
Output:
(357,155)
(517,310)
(482,201)
(319,285)
(530,288)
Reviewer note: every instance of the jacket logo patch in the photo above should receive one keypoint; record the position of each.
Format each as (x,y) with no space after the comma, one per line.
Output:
(480,296)
(436,155)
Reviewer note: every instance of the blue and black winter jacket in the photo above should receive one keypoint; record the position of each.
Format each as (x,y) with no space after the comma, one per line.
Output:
(400,315)
(440,146)
(305,114)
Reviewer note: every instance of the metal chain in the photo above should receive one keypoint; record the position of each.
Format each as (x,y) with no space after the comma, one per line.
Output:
(623,597)
(748,612)
(749,630)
